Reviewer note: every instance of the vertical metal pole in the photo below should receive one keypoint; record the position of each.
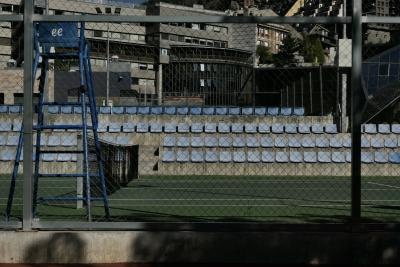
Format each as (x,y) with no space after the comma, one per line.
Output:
(28,116)
(108,64)
(356,112)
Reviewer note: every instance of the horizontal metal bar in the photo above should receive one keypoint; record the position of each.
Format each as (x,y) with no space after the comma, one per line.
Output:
(213,226)
(13,18)
(193,19)
(381,20)
(50,199)
(10,225)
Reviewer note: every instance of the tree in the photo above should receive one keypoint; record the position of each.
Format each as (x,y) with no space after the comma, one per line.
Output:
(312,50)
(287,51)
(264,54)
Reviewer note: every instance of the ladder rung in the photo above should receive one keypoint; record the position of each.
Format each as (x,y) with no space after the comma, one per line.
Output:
(68,198)
(61,151)
(73,175)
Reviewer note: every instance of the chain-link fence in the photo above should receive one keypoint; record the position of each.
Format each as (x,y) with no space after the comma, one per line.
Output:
(229,119)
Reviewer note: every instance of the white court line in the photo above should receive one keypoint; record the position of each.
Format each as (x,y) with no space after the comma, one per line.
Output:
(386,185)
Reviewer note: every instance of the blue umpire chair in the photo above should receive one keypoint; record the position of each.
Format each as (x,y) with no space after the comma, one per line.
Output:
(56,41)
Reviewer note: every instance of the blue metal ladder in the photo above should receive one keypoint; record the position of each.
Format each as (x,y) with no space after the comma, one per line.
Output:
(64,36)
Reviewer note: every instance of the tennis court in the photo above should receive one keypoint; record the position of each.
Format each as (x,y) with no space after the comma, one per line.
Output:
(225,199)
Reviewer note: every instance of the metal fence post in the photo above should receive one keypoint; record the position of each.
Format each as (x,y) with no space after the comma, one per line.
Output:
(356,112)
(28,115)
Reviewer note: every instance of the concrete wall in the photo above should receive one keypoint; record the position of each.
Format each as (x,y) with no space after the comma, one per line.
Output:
(289,247)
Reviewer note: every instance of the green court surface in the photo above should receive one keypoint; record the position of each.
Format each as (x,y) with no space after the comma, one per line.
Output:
(224,199)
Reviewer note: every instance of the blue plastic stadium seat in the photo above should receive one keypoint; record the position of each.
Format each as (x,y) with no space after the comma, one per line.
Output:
(396,128)
(49,157)
(377,142)
(197,156)
(277,128)
(69,140)
(114,127)
(370,129)
(304,128)
(225,141)
(156,127)
(169,141)
(102,127)
(299,112)
(281,142)
(394,157)
(3,109)
(5,126)
(252,142)
(14,109)
(67,109)
(273,111)
(64,157)
(183,128)
(308,142)
(211,141)
(170,127)
(128,127)
(338,157)
(391,142)
(77,109)
(296,157)
(196,111)
(286,111)
(234,111)
(253,156)
(348,157)
(122,140)
(131,110)
(170,110)
(53,109)
(250,128)
(367,157)
(208,111)
(317,128)
(109,138)
(384,128)
(324,157)
(331,129)
(347,142)
(264,128)
(239,156)
(294,142)
(322,142)
(182,156)
(6,156)
(105,110)
(310,157)
(365,143)
(211,156)
(291,128)
(260,111)
(247,111)
(182,111)
(54,141)
(12,140)
(3,140)
(197,127)
(267,142)
(142,127)
(197,141)
(118,110)
(143,110)
(168,156)
(183,141)
(237,128)
(381,157)
(17,126)
(225,156)
(336,142)
(156,110)
(238,142)
(224,127)
(267,157)
(282,157)
(43,140)
(210,127)
(221,111)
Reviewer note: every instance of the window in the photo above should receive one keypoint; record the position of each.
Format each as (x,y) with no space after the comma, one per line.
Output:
(128,93)
(134,37)
(142,38)
(202,67)
(195,26)
(97,34)
(142,66)
(384,70)
(124,36)
(135,81)
(1,98)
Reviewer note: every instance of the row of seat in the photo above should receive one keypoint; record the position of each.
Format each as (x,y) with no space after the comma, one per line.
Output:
(170,110)
(279,142)
(214,156)
(6,156)
(52,140)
